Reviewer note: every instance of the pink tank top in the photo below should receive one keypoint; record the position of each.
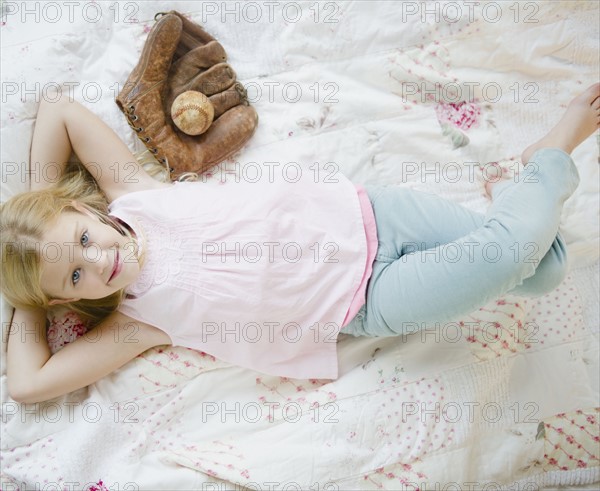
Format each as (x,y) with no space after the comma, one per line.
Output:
(261,275)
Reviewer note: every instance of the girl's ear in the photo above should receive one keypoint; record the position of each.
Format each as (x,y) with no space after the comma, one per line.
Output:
(82,209)
(60,302)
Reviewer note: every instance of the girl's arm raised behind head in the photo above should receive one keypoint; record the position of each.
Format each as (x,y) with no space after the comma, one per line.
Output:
(34,376)
(64,126)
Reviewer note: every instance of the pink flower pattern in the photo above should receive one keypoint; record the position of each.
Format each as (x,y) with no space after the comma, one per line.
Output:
(462,115)
(64,329)
(571,440)
(99,486)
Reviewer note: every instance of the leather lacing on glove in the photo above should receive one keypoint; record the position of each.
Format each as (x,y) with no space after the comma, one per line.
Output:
(131,118)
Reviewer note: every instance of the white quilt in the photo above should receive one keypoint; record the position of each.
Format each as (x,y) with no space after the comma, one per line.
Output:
(509,399)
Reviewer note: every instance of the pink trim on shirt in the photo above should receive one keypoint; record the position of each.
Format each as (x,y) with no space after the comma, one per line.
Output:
(371,232)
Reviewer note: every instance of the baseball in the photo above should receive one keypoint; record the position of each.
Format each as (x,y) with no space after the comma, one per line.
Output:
(192,112)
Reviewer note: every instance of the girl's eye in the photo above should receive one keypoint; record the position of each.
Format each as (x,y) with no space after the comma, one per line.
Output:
(77,273)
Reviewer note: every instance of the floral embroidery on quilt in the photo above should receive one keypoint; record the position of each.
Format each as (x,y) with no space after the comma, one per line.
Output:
(293,392)
(424,73)
(404,476)
(171,366)
(499,329)
(457,118)
(461,115)
(196,457)
(99,486)
(571,440)
(312,124)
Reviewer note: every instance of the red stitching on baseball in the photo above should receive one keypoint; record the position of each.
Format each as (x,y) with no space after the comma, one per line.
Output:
(189,106)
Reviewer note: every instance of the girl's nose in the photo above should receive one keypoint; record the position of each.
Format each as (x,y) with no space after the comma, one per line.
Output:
(100,260)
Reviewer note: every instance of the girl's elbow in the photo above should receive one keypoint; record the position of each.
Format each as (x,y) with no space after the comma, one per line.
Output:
(24,394)
(21,395)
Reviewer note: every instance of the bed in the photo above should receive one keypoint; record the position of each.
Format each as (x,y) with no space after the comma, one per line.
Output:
(425,95)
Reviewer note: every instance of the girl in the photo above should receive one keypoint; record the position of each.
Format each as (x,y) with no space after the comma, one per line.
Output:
(260,275)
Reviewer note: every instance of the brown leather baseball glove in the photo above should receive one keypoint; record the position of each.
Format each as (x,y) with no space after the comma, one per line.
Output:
(179,56)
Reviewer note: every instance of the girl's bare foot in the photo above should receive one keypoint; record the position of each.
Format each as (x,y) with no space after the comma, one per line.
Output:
(580,120)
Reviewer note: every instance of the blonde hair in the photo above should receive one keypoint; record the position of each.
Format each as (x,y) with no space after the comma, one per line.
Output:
(25,217)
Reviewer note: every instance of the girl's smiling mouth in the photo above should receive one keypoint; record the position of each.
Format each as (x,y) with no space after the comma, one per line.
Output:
(117,267)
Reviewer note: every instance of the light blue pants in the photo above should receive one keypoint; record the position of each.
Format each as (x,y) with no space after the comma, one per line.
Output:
(438,261)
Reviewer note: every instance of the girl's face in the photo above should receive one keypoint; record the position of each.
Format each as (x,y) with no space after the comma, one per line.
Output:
(85,258)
